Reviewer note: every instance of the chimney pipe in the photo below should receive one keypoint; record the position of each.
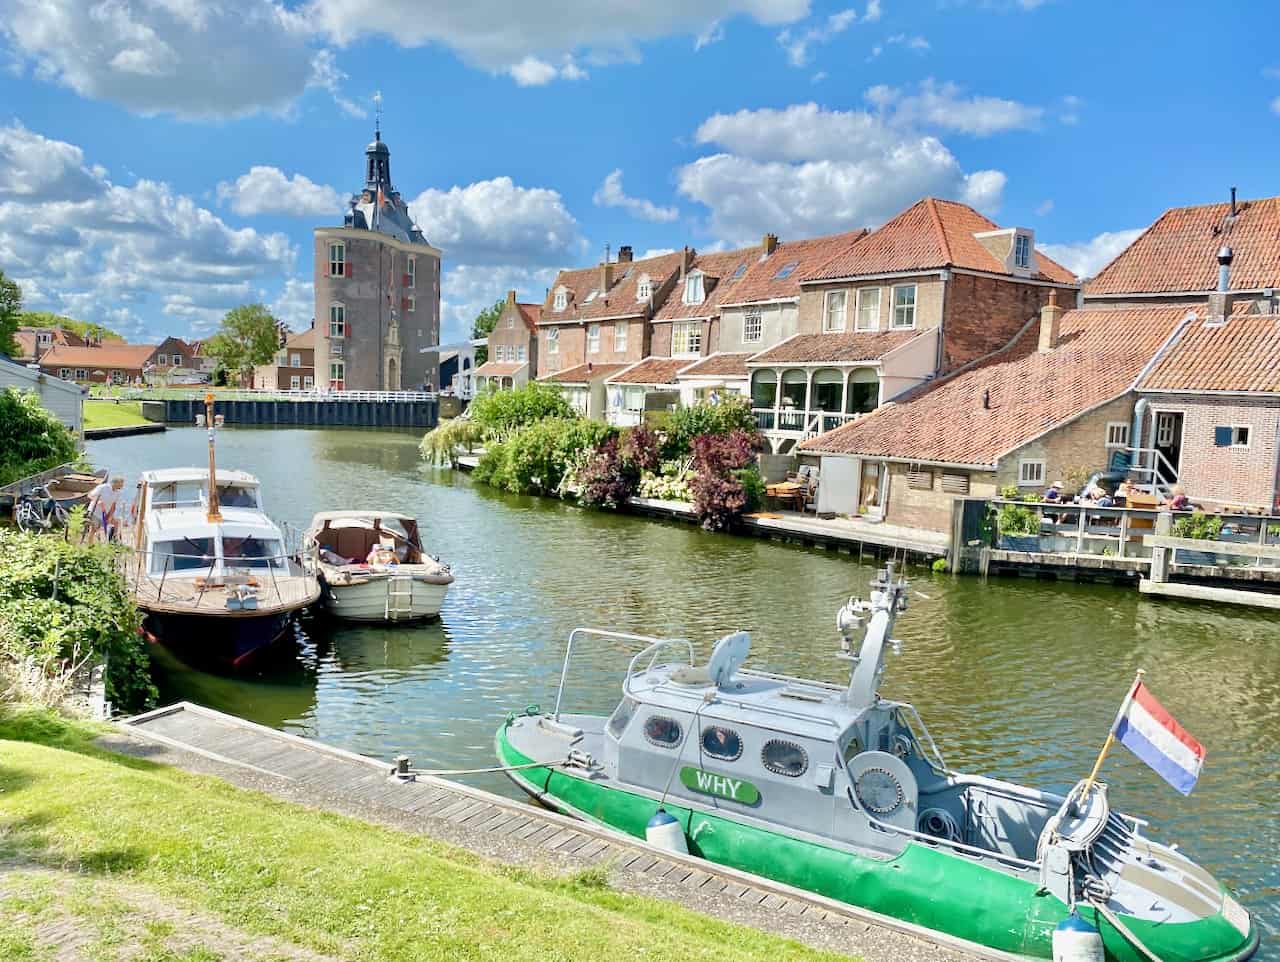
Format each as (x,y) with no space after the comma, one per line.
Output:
(986,400)
(1050,321)
(1220,299)
(1233,202)
(769,243)
(624,254)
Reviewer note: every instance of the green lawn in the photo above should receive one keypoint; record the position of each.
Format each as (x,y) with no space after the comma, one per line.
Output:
(113,414)
(275,870)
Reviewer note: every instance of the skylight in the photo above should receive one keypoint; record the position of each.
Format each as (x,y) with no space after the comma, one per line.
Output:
(742,269)
(787,268)
(591,297)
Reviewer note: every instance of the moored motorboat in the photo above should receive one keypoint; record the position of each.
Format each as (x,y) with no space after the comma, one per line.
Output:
(372,566)
(838,791)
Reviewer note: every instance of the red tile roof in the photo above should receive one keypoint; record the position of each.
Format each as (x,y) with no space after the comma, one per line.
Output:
(652,370)
(929,235)
(1179,251)
(761,281)
(28,338)
(26,341)
(582,373)
(720,269)
(851,346)
(1241,355)
(303,340)
(108,355)
(718,365)
(1099,354)
(618,301)
(499,368)
(529,313)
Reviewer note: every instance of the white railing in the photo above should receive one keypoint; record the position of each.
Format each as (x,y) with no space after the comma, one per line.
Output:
(804,423)
(314,394)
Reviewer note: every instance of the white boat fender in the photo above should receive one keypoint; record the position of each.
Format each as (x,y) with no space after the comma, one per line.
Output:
(664,831)
(1075,940)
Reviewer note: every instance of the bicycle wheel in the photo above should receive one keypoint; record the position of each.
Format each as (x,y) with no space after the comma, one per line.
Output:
(26,517)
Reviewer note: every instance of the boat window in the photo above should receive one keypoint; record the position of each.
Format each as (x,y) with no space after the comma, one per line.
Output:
(663,731)
(721,743)
(251,552)
(185,554)
(235,496)
(784,758)
(622,716)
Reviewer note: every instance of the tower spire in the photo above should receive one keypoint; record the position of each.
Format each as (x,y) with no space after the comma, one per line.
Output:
(377,115)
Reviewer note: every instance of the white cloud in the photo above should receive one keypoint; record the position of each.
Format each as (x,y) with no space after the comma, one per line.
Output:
(266,190)
(1069,110)
(611,194)
(712,33)
(797,44)
(127,255)
(326,75)
(806,170)
(499,35)
(942,106)
(295,304)
(1086,258)
(817,78)
(1275,106)
(497,222)
(194,60)
(466,290)
(909,41)
(873,12)
(534,72)
(1045,208)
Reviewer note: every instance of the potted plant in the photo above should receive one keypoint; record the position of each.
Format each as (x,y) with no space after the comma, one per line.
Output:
(1019,528)
(1198,526)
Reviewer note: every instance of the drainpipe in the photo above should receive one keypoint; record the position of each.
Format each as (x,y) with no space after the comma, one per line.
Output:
(1135,429)
(945,276)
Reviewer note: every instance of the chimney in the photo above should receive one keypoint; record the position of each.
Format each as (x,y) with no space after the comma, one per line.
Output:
(1220,300)
(511,297)
(1233,202)
(606,277)
(686,260)
(769,244)
(986,400)
(624,254)
(1050,318)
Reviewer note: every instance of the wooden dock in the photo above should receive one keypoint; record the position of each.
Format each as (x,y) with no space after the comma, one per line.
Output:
(502,829)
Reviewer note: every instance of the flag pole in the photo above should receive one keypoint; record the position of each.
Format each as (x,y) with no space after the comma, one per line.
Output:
(1111,737)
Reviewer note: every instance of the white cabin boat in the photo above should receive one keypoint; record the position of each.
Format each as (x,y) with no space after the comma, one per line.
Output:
(405,584)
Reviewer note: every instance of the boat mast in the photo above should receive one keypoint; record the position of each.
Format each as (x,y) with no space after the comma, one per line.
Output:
(888,597)
(214,515)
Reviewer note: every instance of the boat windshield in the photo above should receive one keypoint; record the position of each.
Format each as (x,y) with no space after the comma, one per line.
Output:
(193,493)
(184,554)
(252,552)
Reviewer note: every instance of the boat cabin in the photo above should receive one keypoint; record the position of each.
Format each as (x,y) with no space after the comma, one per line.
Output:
(189,488)
(347,537)
(183,541)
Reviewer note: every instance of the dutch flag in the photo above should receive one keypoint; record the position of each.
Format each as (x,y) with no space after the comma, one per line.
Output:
(1147,729)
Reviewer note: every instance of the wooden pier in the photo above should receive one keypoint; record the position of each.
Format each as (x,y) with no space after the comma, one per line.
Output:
(322,776)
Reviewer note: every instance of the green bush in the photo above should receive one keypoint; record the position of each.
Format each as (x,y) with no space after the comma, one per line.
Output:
(31,438)
(60,600)
(939,566)
(492,467)
(730,414)
(1198,525)
(753,485)
(499,413)
(442,444)
(535,458)
(1016,520)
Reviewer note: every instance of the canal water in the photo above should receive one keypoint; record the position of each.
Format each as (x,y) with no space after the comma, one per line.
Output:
(1016,678)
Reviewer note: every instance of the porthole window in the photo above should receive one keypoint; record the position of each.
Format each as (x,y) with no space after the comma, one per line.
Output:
(722,743)
(663,731)
(622,716)
(784,758)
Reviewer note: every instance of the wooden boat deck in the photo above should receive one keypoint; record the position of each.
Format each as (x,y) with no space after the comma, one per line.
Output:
(181,595)
(500,828)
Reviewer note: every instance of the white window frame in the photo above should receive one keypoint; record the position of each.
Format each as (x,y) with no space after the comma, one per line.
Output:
(340,320)
(863,294)
(511,321)
(748,336)
(520,353)
(1022,251)
(1248,443)
(1117,434)
(896,307)
(82,374)
(295,359)
(695,291)
(117,377)
(66,373)
(644,288)
(337,259)
(176,360)
(593,338)
(295,382)
(340,367)
(411,268)
(827,303)
(689,336)
(553,340)
(1031,472)
(412,303)
(308,382)
(620,337)
(561,300)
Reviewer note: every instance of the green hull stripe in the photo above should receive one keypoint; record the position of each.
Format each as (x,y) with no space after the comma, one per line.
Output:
(924,885)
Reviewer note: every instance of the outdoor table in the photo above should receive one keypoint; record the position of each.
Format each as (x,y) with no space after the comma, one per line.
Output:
(793,491)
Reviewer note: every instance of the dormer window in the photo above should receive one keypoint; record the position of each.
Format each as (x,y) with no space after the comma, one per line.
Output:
(562,299)
(1022,252)
(644,288)
(694,290)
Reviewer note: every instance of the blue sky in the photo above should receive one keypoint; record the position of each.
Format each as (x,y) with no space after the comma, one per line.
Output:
(164,160)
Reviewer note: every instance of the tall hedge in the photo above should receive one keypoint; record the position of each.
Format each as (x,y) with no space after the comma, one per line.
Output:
(32,439)
(61,600)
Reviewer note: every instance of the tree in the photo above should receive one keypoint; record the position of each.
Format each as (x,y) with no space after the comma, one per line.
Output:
(10,314)
(249,337)
(483,326)
(31,438)
(84,329)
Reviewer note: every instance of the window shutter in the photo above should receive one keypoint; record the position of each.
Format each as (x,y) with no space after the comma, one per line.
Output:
(922,480)
(955,483)
(1222,437)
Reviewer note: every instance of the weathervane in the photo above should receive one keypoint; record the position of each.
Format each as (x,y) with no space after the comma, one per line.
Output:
(377,111)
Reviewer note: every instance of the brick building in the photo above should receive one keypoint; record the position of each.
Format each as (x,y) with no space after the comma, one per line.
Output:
(513,347)
(377,291)
(295,366)
(111,362)
(33,342)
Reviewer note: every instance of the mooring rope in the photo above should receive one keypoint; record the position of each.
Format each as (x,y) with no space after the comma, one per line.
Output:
(1124,930)
(441,772)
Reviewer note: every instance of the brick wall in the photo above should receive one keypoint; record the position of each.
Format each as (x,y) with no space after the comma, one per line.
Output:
(930,509)
(1220,476)
(510,331)
(983,313)
(1073,451)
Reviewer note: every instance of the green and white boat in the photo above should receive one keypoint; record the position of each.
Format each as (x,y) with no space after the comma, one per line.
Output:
(839,792)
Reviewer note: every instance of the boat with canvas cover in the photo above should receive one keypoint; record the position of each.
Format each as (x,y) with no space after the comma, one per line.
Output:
(372,566)
(840,792)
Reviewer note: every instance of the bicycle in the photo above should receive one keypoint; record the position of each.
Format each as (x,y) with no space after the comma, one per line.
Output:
(40,511)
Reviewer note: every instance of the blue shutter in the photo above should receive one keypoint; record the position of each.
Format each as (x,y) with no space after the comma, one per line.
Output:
(1222,437)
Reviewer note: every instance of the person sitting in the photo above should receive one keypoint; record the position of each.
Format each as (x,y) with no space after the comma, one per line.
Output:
(1124,492)
(1054,493)
(1177,500)
(1097,496)
(383,553)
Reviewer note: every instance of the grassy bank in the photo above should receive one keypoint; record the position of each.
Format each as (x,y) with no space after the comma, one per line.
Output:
(129,834)
(112,414)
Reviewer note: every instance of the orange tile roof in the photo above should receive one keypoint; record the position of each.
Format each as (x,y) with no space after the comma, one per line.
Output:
(582,373)
(109,354)
(718,365)
(1099,354)
(761,281)
(720,269)
(304,340)
(1241,355)
(26,341)
(1179,251)
(850,346)
(929,235)
(652,370)
(529,313)
(618,301)
(499,368)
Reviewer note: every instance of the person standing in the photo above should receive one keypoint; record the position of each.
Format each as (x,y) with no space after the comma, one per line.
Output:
(104,500)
